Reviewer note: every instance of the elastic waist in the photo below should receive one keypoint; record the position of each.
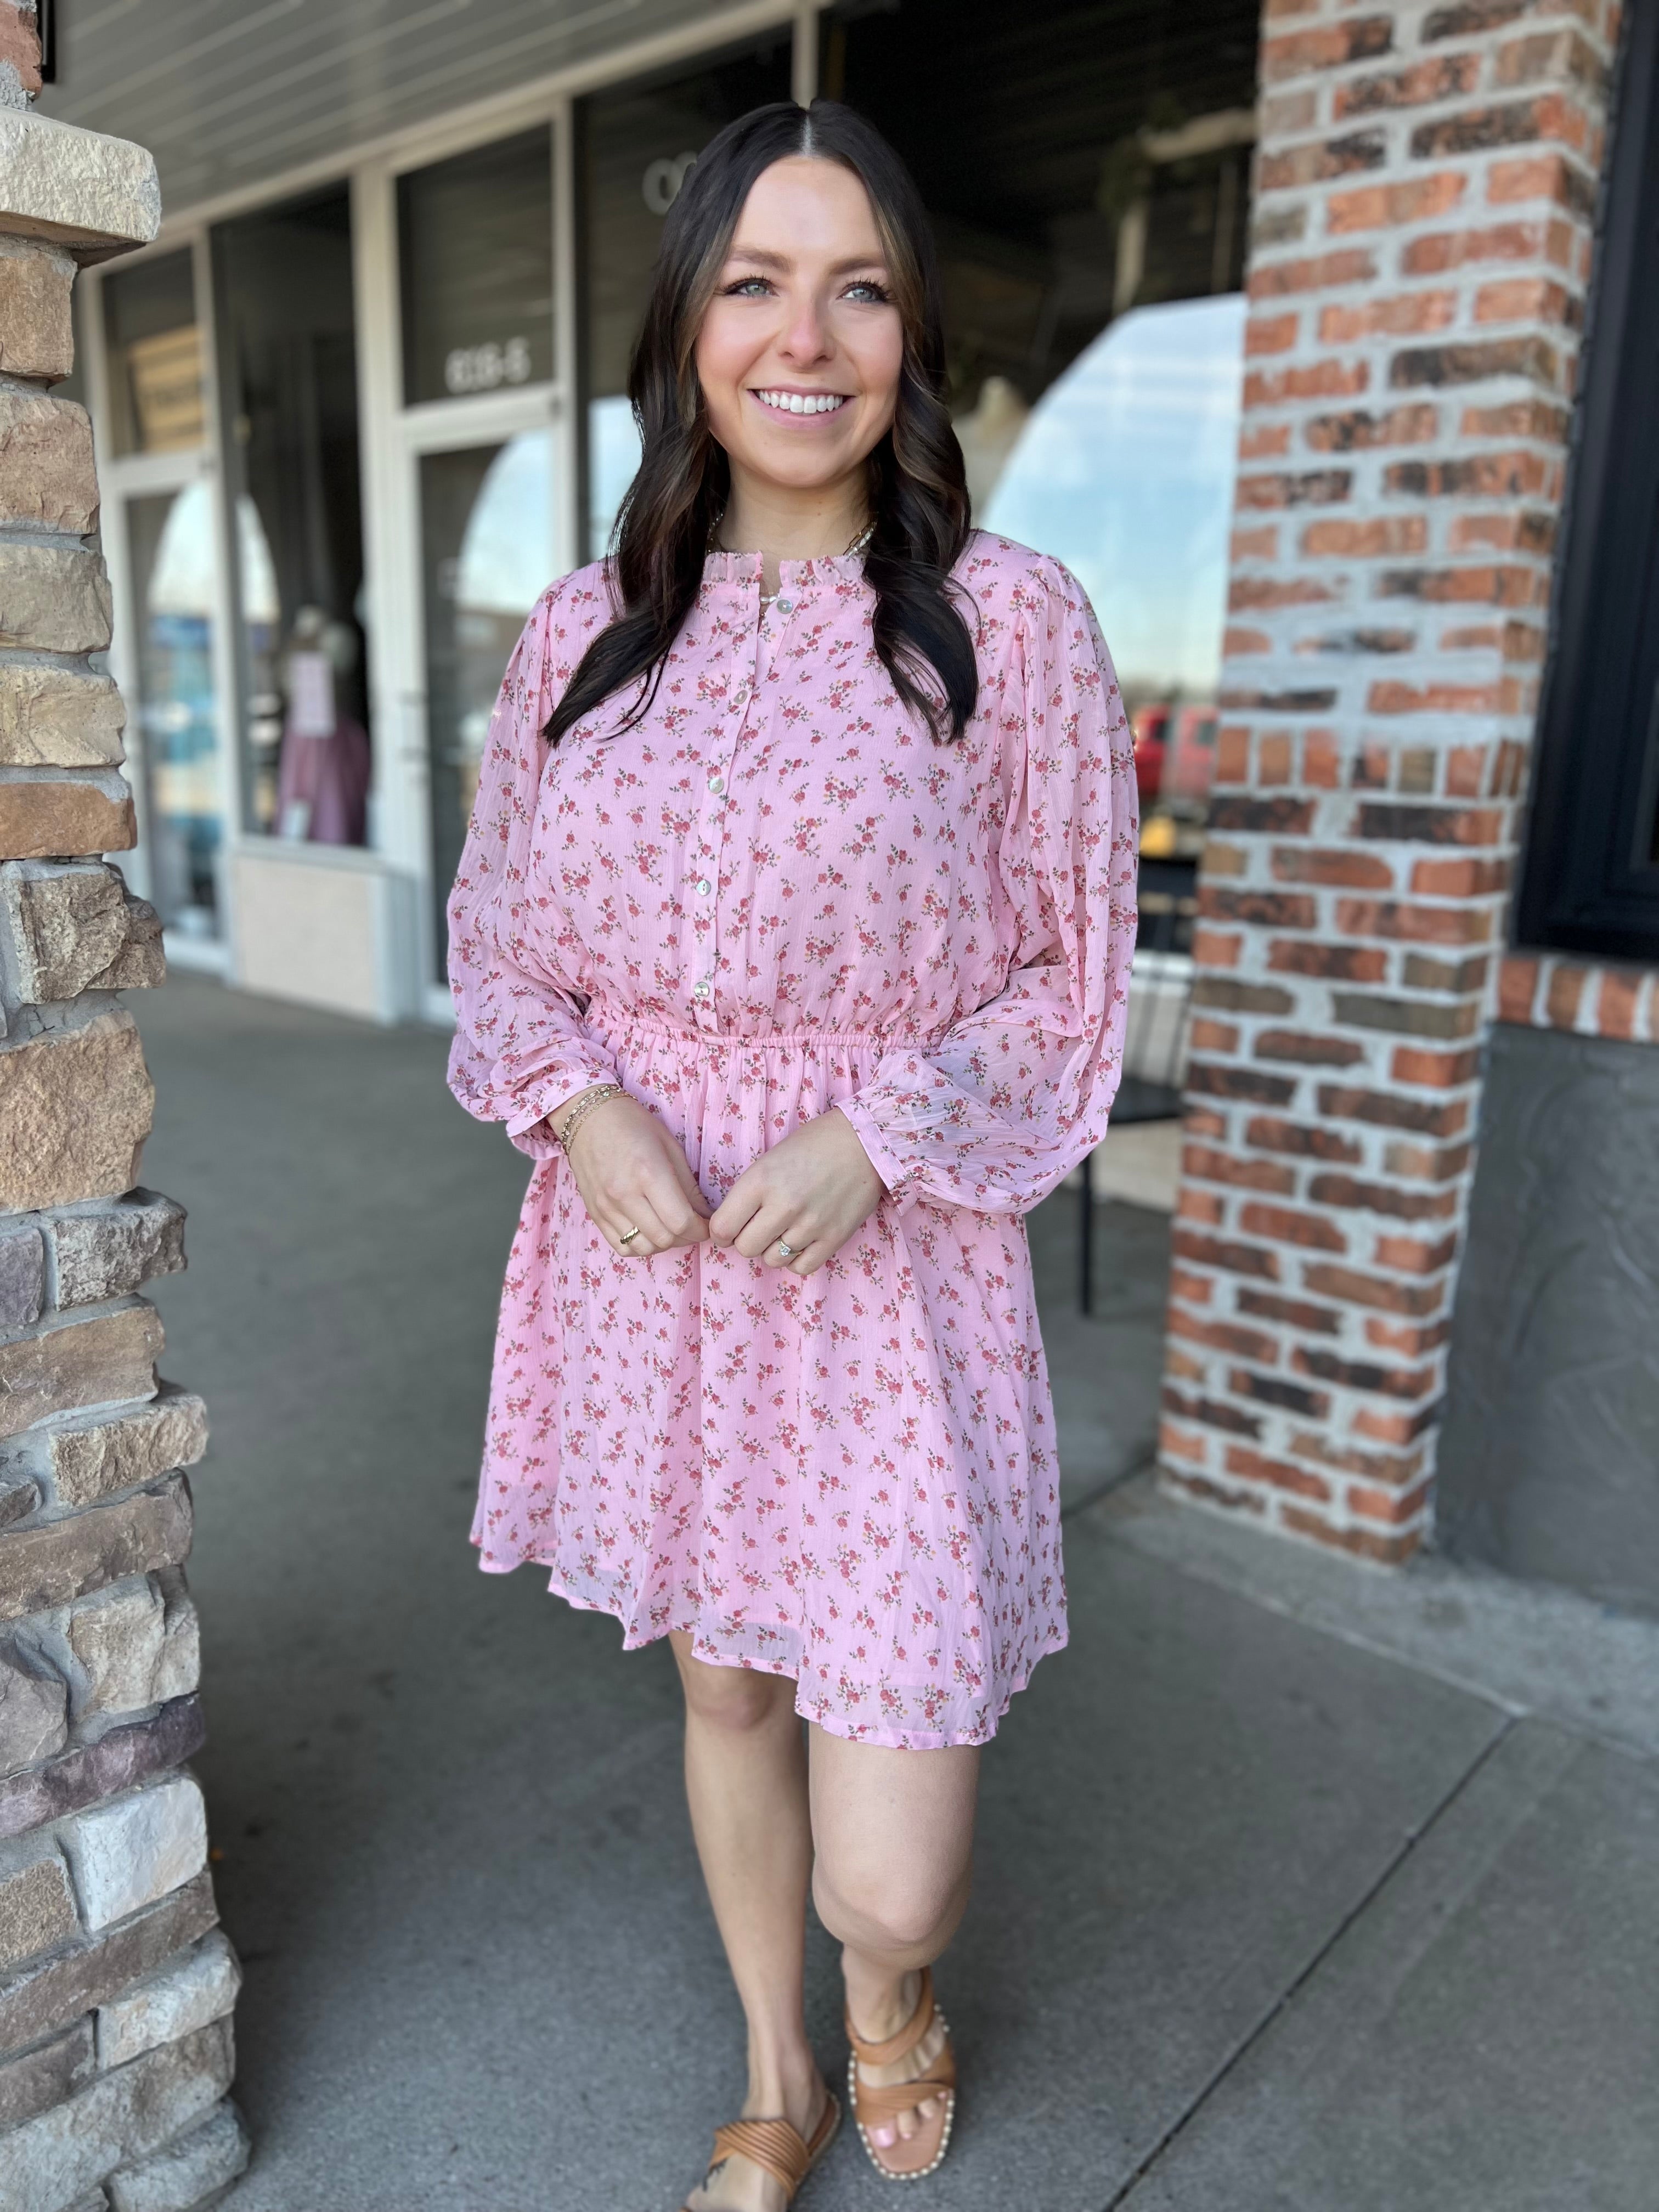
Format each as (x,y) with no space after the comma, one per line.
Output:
(619,1021)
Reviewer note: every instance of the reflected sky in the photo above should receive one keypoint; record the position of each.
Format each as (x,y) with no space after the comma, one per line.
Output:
(1125,472)
(507,552)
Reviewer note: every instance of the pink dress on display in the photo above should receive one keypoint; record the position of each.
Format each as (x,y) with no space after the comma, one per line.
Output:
(779,894)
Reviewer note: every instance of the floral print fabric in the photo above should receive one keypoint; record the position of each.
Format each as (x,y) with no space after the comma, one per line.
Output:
(778,894)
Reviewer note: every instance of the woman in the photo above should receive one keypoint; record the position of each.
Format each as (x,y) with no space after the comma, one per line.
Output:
(792,940)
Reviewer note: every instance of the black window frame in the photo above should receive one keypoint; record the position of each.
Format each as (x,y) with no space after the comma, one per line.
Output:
(1590,873)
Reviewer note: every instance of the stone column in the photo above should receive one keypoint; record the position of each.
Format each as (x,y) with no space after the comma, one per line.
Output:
(116,1986)
(1425,191)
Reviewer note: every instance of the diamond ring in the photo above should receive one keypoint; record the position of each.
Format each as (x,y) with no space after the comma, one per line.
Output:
(786,1251)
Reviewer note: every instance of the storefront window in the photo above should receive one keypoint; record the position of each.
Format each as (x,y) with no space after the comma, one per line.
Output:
(477,239)
(1124,471)
(157,392)
(634,147)
(284,283)
(487,554)
(171,550)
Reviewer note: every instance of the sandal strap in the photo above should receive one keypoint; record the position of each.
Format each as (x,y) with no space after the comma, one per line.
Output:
(776,2146)
(877,2102)
(889,2052)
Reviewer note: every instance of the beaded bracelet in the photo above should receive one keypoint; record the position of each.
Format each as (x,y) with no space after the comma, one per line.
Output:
(584,1107)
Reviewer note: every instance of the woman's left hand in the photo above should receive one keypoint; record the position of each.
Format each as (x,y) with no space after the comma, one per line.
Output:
(809,1193)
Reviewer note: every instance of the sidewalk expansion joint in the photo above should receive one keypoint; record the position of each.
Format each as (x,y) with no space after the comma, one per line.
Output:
(1409,1843)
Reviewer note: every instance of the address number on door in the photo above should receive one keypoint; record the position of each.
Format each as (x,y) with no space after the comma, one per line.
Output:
(481,367)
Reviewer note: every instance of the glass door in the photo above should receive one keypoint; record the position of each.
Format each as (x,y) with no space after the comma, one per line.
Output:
(486,557)
(171,559)
(480,429)
(162,537)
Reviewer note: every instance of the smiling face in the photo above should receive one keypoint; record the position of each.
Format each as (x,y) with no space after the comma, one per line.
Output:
(801,349)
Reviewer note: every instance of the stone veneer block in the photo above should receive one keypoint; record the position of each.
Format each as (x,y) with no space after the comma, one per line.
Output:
(129,2114)
(33,1714)
(109,1251)
(58,1561)
(77,929)
(116,1637)
(37,1906)
(126,1855)
(22,1278)
(61,1365)
(120,1759)
(188,2171)
(76,188)
(55,597)
(50,1993)
(42,819)
(93,1459)
(37,336)
(75,1109)
(47,477)
(56,717)
(45,2076)
(191,1989)
(20,43)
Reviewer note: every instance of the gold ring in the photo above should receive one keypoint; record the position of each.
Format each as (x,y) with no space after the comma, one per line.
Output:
(786,1250)
(629,1239)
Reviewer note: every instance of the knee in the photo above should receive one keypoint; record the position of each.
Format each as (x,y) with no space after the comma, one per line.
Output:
(732,1698)
(890,1912)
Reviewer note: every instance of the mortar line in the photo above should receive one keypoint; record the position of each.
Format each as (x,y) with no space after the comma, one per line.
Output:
(1292,1989)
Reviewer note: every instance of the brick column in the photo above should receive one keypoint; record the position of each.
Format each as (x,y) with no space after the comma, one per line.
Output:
(1425,181)
(115,1985)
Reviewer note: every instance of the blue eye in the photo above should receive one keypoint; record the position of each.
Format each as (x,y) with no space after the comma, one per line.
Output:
(751,287)
(874,294)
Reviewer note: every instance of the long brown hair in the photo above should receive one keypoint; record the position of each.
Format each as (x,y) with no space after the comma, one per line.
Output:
(918,486)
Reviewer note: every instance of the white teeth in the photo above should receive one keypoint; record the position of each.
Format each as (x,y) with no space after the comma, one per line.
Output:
(803,403)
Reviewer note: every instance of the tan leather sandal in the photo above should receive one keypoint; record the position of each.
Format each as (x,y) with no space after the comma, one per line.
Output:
(777,2146)
(873,2107)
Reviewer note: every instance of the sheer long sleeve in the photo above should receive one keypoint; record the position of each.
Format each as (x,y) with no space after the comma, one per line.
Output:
(520,1048)
(994,1114)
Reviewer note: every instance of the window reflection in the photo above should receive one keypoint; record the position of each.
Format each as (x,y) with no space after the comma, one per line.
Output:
(171,551)
(1124,471)
(487,532)
(157,392)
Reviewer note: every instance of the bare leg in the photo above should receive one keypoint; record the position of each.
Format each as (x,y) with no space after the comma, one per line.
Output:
(745,1780)
(895,1835)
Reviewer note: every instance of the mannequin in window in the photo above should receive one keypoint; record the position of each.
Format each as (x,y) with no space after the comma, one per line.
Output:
(322,786)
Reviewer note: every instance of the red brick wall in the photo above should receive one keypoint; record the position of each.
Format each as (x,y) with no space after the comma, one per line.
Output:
(1425,183)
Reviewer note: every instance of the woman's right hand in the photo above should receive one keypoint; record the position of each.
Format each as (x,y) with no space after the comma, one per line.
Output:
(632,1175)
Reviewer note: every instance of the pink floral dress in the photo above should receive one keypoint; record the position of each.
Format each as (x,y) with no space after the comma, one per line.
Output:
(776,894)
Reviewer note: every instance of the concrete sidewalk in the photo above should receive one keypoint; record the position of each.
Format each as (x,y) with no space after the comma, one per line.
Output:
(1301,1889)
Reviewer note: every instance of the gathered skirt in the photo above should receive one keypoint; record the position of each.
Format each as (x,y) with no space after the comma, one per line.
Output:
(848,1479)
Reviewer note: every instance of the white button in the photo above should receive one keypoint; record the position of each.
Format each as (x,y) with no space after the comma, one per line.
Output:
(786,606)
(703,887)
(716,785)
(699,990)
